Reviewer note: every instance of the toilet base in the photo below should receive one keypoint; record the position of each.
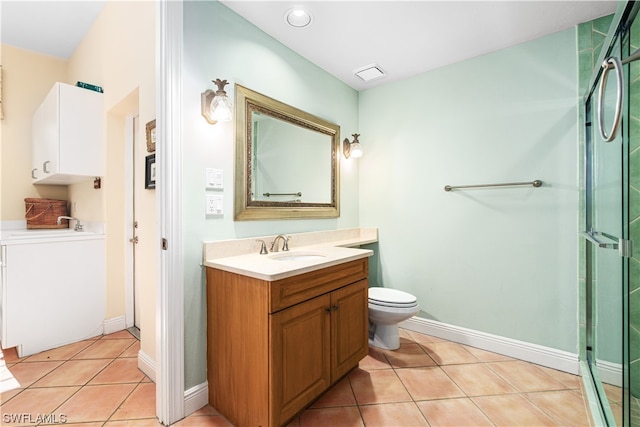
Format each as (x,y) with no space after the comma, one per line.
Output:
(384,336)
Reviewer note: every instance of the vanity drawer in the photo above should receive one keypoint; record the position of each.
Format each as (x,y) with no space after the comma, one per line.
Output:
(296,289)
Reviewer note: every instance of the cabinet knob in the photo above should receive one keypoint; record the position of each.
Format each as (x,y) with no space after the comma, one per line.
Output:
(331,308)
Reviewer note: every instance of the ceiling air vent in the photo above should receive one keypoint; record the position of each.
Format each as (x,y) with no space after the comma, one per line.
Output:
(369,72)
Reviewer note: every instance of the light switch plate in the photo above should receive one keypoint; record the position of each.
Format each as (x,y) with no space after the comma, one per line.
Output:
(214,204)
(214,178)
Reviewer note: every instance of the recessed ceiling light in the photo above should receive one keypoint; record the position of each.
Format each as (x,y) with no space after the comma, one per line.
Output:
(369,72)
(298,17)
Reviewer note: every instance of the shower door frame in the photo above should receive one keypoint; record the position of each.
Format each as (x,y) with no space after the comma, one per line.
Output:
(618,35)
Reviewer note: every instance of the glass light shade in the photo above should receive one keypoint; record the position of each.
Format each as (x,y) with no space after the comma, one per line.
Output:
(356,150)
(221,109)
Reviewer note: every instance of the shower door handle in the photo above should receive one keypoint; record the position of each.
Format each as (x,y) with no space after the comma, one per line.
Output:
(623,246)
(608,64)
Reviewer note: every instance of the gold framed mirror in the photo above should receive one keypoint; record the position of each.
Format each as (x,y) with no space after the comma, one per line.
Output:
(286,161)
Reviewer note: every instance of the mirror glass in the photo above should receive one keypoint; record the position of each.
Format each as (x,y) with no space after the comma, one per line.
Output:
(286,160)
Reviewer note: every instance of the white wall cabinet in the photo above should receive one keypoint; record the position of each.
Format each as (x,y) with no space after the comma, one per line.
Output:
(68,136)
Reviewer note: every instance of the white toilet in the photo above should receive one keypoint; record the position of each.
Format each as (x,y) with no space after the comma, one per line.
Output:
(387,308)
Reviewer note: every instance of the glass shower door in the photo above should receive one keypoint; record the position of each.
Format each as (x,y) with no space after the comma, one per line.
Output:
(607,262)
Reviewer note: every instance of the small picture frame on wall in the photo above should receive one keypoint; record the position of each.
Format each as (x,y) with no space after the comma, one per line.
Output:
(150,172)
(151,136)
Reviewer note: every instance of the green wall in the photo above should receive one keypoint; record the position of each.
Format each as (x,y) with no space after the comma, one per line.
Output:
(502,261)
(218,43)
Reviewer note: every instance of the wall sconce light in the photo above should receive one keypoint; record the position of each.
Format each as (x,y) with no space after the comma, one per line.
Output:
(216,106)
(352,149)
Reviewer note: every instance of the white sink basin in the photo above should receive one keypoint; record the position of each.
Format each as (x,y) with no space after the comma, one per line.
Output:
(297,256)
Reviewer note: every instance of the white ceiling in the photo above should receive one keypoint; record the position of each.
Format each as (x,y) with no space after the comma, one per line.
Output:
(404,38)
(47,26)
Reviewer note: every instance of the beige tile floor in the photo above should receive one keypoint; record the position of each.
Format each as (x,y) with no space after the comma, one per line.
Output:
(427,382)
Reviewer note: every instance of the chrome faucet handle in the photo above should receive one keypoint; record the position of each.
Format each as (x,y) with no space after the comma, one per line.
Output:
(263,247)
(285,245)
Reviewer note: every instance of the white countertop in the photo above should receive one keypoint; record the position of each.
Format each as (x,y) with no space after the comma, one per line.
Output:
(242,256)
(26,236)
(269,267)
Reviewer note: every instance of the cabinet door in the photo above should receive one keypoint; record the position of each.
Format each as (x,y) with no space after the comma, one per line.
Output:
(349,327)
(81,122)
(45,136)
(300,367)
(61,300)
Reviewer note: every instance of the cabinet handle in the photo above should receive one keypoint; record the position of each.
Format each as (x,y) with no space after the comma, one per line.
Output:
(33,173)
(328,310)
(44,166)
(335,307)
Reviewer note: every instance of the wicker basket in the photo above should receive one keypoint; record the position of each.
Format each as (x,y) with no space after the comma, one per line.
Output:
(44,213)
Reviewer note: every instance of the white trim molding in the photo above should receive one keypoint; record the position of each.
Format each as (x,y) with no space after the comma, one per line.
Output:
(195,398)
(147,365)
(534,353)
(170,286)
(115,324)
(609,372)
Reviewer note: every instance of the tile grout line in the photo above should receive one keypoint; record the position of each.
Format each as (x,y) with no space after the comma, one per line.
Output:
(439,366)
(404,386)
(134,389)
(470,398)
(80,386)
(517,390)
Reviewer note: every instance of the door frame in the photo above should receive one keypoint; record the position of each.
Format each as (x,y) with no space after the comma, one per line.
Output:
(170,285)
(129,194)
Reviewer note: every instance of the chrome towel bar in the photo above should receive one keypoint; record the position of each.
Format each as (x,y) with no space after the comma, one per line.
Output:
(536,183)
(299,194)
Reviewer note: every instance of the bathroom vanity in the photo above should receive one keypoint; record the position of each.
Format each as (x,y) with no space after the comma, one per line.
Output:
(282,328)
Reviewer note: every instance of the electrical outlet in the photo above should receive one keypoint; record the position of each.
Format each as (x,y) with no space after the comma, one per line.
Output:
(214,204)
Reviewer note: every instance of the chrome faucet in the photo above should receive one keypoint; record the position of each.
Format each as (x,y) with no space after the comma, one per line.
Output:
(285,244)
(78,226)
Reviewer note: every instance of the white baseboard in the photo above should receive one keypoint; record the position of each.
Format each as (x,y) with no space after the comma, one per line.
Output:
(195,398)
(114,324)
(147,365)
(534,353)
(609,373)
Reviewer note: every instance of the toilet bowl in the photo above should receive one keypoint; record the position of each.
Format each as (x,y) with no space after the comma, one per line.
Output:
(387,308)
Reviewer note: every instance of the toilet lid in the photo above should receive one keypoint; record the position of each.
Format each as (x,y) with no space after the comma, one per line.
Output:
(391,297)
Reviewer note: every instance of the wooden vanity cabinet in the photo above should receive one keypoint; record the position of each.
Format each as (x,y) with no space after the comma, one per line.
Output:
(275,346)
